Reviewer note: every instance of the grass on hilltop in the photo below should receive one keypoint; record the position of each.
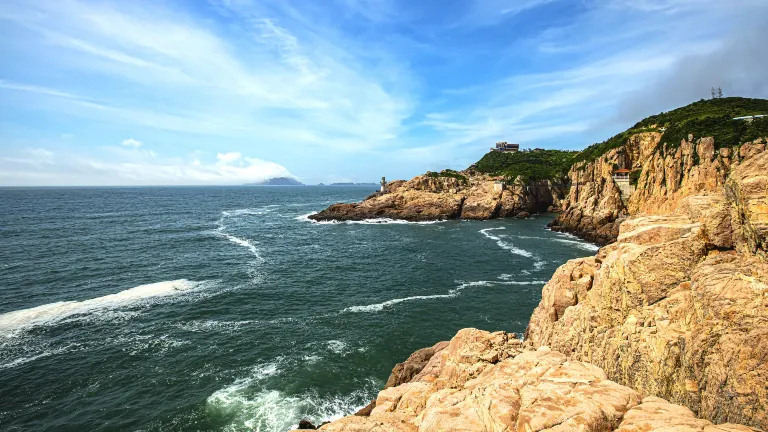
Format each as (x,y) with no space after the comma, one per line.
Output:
(531,165)
(705,118)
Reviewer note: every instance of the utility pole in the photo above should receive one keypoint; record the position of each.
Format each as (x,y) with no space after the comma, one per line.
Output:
(719,93)
(713,92)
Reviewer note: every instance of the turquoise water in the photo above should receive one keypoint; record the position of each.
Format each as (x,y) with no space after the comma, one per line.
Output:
(226,309)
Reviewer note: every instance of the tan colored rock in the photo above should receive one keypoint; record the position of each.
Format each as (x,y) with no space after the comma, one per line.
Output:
(405,371)
(657,415)
(426,198)
(661,314)
(669,174)
(747,192)
(483,382)
(482,202)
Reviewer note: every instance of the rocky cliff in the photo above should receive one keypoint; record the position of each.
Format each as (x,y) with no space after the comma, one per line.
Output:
(664,330)
(466,196)
(481,381)
(667,174)
(678,306)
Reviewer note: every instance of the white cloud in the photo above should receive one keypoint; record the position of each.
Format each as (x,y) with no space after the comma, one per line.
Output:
(33,167)
(228,158)
(130,142)
(258,74)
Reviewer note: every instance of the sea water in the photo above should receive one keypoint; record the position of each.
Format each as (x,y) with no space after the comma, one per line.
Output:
(227,309)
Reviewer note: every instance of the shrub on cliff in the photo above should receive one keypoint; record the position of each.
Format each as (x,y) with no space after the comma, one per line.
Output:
(448,173)
(531,165)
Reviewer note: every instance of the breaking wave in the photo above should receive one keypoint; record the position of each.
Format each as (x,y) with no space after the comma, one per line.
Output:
(251,405)
(53,313)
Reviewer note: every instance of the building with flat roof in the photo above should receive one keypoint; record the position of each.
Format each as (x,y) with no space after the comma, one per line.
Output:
(504,146)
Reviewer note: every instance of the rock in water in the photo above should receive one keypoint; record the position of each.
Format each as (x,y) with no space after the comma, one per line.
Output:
(306,425)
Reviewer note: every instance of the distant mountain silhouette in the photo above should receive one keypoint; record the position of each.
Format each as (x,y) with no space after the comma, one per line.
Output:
(277,181)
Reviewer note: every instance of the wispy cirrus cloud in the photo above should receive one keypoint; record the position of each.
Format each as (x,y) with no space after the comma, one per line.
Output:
(347,88)
(259,77)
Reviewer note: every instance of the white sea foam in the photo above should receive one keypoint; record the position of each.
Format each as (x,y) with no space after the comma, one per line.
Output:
(251,406)
(213,325)
(251,211)
(245,243)
(373,221)
(23,360)
(377,307)
(337,346)
(53,313)
(504,244)
(136,344)
(581,244)
(380,306)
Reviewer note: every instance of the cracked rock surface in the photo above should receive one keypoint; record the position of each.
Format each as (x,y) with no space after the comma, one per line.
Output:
(485,381)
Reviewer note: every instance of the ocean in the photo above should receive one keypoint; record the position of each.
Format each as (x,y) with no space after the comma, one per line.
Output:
(226,309)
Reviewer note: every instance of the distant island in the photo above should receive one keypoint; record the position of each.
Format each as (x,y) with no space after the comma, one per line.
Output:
(277,181)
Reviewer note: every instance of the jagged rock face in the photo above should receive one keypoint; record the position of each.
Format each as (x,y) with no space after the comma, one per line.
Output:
(594,208)
(747,190)
(485,382)
(666,312)
(428,198)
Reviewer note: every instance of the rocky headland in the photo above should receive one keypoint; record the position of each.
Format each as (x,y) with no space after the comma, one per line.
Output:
(465,195)
(664,329)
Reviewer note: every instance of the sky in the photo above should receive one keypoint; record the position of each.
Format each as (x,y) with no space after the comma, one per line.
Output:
(218,92)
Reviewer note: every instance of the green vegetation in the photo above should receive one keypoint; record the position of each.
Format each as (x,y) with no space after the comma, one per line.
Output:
(448,173)
(730,106)
(726,131)
(634,177)
(596,150)
(713,117)
(531,165)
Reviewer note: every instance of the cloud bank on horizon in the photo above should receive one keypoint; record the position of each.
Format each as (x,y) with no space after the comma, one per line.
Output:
(98,92)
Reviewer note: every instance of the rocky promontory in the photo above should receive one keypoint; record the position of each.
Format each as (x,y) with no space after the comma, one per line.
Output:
(464,195)
(664,329)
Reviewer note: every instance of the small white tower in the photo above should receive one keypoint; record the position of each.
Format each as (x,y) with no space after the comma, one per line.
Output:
(383,183)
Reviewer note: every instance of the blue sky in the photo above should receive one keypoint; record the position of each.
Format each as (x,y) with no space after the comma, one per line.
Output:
(230,91)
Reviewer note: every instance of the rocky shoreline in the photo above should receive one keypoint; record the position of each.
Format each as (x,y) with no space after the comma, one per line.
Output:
(665,328)
(430,198)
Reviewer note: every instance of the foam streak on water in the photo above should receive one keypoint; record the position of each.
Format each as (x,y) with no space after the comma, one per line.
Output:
(377,307)
(52,313)
(373,221)
(577,243)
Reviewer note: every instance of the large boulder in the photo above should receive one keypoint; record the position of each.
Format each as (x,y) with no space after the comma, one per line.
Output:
(485,381)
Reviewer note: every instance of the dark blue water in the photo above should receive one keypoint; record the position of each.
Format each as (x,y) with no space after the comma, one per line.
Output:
(224,308)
